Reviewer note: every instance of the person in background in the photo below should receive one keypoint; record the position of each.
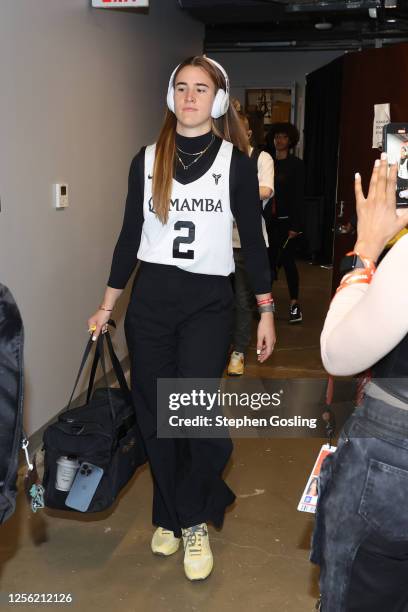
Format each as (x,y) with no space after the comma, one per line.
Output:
(244,294)
(284,217)
(402,181)
(360,538)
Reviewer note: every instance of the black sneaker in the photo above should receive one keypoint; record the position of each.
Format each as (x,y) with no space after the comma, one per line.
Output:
(295,314)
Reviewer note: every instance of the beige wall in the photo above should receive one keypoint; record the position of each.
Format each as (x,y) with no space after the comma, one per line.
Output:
(81,91)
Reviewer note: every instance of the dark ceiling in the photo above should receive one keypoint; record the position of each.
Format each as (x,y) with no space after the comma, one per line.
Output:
(282,25)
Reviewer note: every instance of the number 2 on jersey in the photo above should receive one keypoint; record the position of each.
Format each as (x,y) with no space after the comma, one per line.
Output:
(180,225)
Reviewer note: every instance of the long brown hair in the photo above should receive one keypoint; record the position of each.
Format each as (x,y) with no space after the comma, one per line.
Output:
(228,127)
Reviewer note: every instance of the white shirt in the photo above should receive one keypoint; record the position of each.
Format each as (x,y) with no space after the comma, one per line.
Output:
(198,234)
(365,322)
(266,175)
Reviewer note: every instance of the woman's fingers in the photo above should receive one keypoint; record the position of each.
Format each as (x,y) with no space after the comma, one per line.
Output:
(391,191)
(265,345)
(373,181)
(358,188)
(96,332)
(92,327)
(381,186)
(98,324)
(378,182)
(260,345)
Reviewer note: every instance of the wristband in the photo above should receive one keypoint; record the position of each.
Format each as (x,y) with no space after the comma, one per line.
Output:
(106,309)
(354,260)
(362,270)
(266,308)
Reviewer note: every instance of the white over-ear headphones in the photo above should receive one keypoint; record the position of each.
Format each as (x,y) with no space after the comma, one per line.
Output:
(221,100)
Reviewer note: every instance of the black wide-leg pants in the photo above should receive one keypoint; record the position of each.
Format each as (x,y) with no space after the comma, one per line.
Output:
(178,325)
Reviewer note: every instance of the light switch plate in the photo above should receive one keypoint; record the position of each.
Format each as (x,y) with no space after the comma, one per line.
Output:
(61,195)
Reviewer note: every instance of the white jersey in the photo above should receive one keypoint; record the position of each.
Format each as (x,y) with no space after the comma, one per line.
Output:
(266,174)
(198,234)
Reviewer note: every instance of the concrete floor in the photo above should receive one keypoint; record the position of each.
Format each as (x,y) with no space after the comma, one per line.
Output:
(261,554)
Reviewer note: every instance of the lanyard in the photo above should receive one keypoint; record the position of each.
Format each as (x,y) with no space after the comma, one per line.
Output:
(328,414)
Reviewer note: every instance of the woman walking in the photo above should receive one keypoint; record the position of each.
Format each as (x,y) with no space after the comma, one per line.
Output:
(183,194)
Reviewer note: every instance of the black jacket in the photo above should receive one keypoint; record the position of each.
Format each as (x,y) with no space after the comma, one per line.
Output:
(11,399)
(289,190)
(391,372)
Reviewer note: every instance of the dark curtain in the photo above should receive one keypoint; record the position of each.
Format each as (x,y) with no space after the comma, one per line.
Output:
(321,144)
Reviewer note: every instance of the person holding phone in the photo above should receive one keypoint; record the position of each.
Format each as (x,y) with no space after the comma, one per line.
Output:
(183,194)
(360,538)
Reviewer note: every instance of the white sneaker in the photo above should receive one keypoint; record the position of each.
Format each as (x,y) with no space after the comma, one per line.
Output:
(164,543)
(236,364)
(198,558)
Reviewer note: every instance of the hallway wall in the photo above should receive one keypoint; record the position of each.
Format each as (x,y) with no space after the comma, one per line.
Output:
(81,91)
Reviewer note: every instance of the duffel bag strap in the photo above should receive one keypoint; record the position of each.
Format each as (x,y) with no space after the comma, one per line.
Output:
(99,354)
(117,368)
(88,349)
(101,350)
(95,366)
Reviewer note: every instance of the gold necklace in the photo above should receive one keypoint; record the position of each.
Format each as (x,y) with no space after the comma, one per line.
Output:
(185,152)
(198,155)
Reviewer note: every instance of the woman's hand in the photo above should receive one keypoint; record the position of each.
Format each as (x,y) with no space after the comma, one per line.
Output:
(98,323)
(378,218)
(266,336)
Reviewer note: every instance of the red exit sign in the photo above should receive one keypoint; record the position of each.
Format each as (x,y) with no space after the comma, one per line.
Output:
(120,3)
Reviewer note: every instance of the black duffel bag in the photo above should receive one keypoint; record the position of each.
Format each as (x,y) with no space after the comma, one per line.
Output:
(102,432)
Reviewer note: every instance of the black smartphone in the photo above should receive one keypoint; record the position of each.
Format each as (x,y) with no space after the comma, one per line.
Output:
(396,146)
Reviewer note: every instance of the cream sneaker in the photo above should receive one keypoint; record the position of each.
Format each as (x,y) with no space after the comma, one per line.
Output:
(164,543)
(198,559)
(236,364)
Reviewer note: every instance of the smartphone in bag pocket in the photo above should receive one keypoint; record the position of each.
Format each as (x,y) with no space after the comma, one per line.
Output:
(84,486)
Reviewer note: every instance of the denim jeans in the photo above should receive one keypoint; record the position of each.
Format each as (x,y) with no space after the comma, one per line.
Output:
(363,497)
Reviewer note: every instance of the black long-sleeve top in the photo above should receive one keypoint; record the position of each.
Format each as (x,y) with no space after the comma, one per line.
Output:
(244,201)
(289,190)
